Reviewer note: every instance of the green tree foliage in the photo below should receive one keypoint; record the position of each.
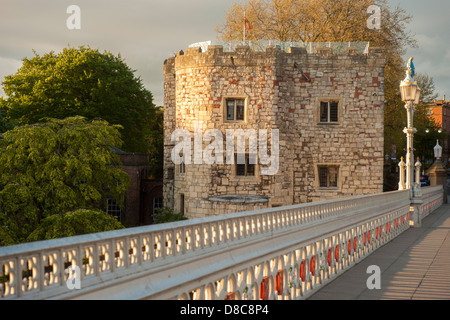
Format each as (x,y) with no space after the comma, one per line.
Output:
(166,214)
(85,82)
(5,125)
(155,141)
(74,223)
(55,167)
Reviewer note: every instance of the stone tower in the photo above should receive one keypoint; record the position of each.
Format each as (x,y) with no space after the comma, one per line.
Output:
(327,109)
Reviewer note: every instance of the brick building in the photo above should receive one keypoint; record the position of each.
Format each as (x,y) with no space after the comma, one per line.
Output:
(328,109)
(439,111)
(142,197)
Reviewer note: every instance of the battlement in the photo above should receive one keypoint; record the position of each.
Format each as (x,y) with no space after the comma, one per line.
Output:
(206,54)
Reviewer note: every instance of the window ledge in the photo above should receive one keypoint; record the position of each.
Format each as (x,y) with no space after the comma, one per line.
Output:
(329,189)
(245,178)
(329,123)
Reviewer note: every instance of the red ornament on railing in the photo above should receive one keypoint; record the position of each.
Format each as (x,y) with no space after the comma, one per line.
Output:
(231,296)
(279,282)
(302,271)
(312,266)
(330,256)
(264,289)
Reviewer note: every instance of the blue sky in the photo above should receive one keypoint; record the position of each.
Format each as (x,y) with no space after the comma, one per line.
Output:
(146,32)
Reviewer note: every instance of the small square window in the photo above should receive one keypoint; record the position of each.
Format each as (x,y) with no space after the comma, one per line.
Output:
(329,112)
(246,169)
(235,109)
(113,209)
(157,203)
(328,176)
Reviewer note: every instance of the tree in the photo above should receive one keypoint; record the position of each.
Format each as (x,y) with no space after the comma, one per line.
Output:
(342,21)
(85,82)
(316,21)
(74,223)
(55,167)
(155,141)
(5,125)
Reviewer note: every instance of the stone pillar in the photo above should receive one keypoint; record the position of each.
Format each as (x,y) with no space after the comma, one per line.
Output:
(417,186)
(416,206)
(401,183)
(416,200)
(438,176)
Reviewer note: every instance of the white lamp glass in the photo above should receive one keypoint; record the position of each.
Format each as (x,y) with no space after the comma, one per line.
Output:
(417,99)
(437,150)
(408,91)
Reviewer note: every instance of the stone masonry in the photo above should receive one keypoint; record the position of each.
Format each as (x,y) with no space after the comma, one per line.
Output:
(284,91)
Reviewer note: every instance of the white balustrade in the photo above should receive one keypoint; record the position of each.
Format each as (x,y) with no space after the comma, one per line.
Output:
(278,253)
(433,198)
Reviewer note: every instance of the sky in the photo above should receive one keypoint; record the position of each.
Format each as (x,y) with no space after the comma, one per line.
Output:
(146,32)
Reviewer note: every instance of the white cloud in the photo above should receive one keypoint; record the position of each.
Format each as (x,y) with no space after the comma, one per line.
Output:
(8,66)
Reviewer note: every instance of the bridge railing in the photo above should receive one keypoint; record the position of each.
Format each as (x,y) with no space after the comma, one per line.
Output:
(278,253)
(433,198)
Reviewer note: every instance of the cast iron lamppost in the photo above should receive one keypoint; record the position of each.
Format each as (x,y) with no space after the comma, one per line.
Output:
(410,92)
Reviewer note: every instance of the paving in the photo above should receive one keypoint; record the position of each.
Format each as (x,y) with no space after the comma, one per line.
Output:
(413,266)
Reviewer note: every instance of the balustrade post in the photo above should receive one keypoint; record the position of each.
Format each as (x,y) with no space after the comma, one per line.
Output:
(417,188)
(416,207)
(402,168)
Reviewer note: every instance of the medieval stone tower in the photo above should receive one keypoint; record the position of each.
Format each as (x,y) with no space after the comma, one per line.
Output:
(328,111)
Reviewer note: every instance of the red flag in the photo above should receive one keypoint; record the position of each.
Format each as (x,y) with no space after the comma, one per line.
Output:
(248,25)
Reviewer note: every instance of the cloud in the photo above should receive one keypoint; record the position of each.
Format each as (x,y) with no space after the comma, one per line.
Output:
(146,32)
(8,66)
(430,24)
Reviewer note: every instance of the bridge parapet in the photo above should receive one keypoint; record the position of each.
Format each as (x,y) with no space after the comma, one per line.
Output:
(278,253)
(433,198)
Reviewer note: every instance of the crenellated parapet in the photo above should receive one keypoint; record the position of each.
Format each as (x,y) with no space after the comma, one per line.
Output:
(244,55)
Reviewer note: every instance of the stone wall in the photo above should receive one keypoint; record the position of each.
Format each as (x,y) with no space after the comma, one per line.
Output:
(282,90)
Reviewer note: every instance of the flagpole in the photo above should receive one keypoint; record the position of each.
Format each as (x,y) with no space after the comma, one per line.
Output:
(245,21)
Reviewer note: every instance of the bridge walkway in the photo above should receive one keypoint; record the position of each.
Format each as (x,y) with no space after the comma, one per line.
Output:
(413,266)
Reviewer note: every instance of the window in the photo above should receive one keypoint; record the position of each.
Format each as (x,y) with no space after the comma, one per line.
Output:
(246,169)
(235,109)
(182,168)
(182,204)
(157,203)
(113,209)
(329,112)
(328,176)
